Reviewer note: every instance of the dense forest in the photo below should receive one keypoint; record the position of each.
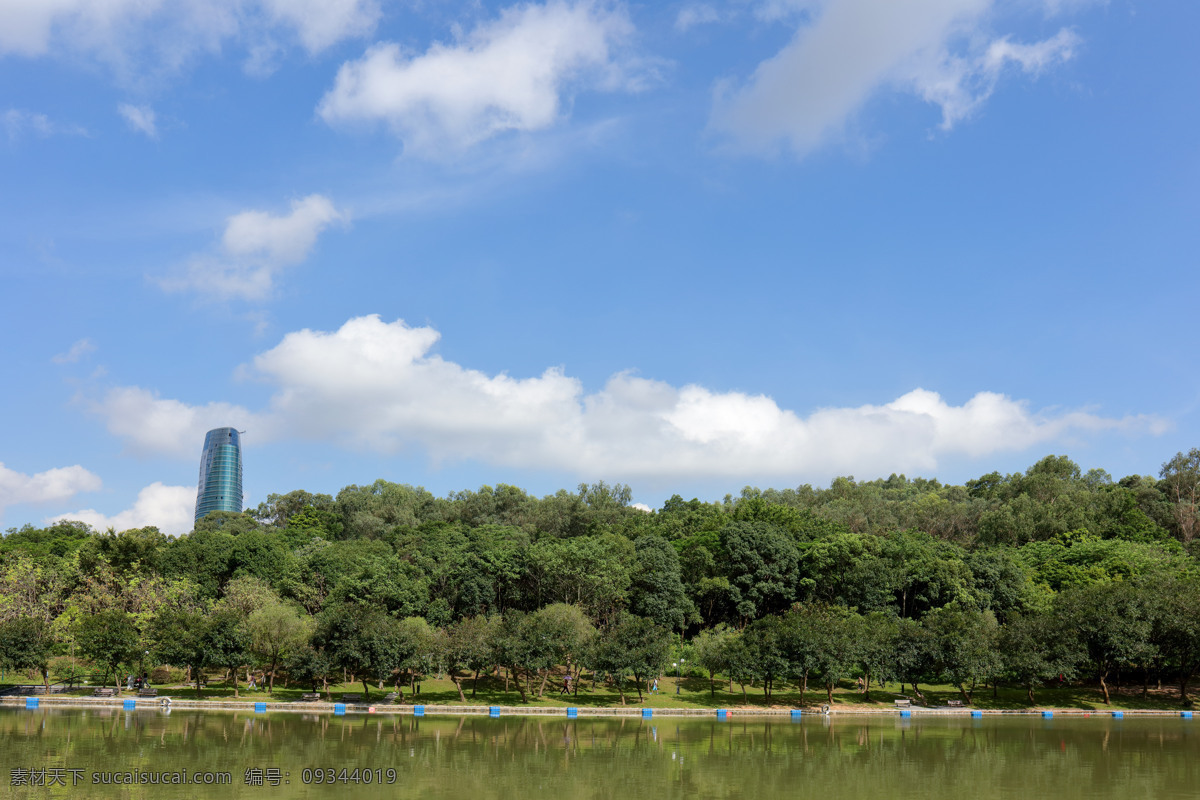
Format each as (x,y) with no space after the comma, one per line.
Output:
(1047,576)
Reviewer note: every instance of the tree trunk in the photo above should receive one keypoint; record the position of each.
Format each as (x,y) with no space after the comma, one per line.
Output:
(803,687)
(235,682)
(1104,686)
(462,698)
(520,688)
(366,688)
(542,688)
(712,684)
(829,691)
(1029,686)
(474,683)
(271,681)
(637,682)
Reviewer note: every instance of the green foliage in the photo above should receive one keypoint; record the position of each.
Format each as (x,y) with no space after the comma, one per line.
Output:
(110,640)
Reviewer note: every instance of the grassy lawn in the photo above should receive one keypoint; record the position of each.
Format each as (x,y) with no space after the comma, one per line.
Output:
(693,693)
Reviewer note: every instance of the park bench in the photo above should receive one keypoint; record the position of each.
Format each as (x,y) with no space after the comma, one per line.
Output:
(905,703)
(351,698)
(147,691)
(310,697)
(954,703)
(105,691)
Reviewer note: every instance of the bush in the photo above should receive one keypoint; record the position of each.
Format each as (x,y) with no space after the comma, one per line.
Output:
(166,674)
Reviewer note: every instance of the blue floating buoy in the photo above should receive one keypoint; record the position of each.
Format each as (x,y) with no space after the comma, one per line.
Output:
(1047,714)
(1118,715)
(722,713)
(31,702)
(1184,714)
(493,711)
(259,708)
(797,713)
(905,712)
(572,713)
(976,713)
(339,708)
(130,705)
(418,711)
(647,713)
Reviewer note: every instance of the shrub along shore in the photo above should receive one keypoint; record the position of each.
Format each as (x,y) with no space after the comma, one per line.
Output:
(1052,587)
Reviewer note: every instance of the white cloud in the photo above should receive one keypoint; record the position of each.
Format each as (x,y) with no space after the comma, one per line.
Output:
(171,509)
(52,485)
(323,23)
(699,14)
(255,248)
(510,74)
(136,35)
(150,424)
(76,351)
(139,118)
(378,386)
(18,122)
(806,94)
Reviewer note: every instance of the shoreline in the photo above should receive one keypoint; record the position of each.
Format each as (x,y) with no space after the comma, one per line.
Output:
(166,704)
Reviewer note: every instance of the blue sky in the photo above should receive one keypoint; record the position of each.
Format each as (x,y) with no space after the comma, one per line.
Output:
(684,246)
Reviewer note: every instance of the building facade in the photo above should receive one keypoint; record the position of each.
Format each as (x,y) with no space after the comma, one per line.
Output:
(220,487)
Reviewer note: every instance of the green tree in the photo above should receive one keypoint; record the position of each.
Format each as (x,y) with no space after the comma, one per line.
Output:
(178,637)
(277,629)
(1038,648)
(109,639)
(657,590)
(710,647)
(26,643)
(1181,484)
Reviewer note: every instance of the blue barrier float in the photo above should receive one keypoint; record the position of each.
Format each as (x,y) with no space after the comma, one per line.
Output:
(130,705)
(572,713)
(418,711)
(797,713)
(31,702)
(260,708)
(1118,715)
(493,711)
(1047,714)
(647,713)
(339,708)
(904,712)
(722,713)
(1185,714)
(976,713)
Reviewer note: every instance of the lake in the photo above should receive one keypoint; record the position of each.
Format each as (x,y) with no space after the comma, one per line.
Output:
(81,752)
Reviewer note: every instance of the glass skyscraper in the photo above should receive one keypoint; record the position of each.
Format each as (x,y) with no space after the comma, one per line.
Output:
(220,487)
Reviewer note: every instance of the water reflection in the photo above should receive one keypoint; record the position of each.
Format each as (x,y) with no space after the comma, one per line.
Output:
(536,757)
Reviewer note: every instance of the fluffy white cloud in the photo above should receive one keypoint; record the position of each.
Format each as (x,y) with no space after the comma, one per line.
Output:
(255,248)
(509,74)
(378,386)
(323,23)
(150,424)
(165,33)
(171,509)
(805,95)
(52,485)
(139,118)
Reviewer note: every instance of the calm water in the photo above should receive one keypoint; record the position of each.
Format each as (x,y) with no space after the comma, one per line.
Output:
(552,758)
